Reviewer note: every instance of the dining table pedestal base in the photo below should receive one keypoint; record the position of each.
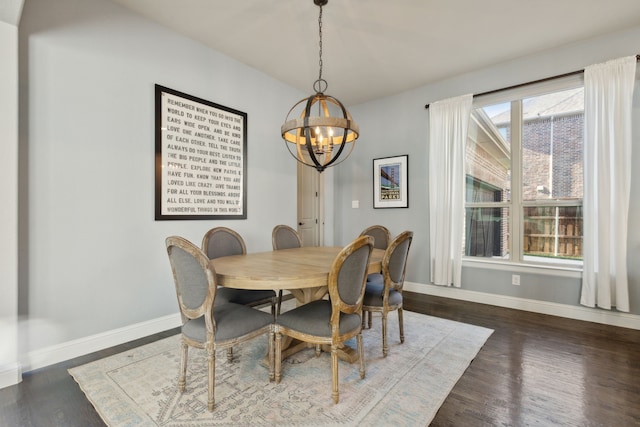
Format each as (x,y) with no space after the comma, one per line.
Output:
(345,352)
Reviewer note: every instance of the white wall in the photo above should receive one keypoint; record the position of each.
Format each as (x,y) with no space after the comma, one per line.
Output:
(399,125)
(93,258)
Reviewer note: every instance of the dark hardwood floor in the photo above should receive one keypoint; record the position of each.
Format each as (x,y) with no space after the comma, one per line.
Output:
(539,370)
(535,370)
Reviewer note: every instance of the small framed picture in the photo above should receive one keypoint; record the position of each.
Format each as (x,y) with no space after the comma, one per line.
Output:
(390,184)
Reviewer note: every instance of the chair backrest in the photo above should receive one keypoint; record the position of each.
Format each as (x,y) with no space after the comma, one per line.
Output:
(381,235)
(223,241)
(348,275)
(394,262)
(285,237)
(194,278)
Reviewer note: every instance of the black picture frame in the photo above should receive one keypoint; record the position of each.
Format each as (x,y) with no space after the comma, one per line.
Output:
(200,158)
(390,182)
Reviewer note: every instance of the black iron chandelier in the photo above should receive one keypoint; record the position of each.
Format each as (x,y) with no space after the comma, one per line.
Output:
(319,126)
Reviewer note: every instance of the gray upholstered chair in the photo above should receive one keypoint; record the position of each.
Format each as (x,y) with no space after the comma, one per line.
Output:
(381,235)
(284,237)
(385,295)
(334,321)
(204,324)
(223,241)
(382,238)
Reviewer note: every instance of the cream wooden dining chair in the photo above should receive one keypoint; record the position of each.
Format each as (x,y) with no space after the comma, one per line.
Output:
(386,295)
(206,325)
(223,241)
(334,321)
(284,237)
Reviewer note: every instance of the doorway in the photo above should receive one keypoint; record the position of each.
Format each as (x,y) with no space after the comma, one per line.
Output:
(310,206)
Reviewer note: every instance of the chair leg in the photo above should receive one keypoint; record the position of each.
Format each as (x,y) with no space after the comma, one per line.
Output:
(385,345)
(334,372)
(271,356)
(230,354)
(364,317)
(212,376)
(401,323)
(182,379)
(279,302)
(278,356)
(361,355)
(318,350)
(370,316)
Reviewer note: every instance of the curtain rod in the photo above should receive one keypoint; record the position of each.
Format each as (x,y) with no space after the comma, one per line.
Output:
(573,73)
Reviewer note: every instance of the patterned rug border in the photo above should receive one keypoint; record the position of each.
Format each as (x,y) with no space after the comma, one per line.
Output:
(436,353)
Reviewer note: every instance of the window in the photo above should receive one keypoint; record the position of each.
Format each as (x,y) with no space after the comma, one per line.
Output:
(524,177)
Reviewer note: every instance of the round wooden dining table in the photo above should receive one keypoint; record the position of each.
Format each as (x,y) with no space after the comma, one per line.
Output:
(302,271)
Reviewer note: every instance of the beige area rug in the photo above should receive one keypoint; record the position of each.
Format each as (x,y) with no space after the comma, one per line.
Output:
(139,387)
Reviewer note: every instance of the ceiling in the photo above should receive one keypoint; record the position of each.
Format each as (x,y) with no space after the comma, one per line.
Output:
(374,48)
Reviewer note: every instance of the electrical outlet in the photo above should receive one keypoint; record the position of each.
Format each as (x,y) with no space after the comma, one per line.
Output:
(515,279)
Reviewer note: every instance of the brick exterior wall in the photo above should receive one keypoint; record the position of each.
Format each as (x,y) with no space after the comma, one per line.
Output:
(568,132)
(483,167)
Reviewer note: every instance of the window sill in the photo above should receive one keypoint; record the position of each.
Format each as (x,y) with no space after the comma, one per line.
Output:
(563,270)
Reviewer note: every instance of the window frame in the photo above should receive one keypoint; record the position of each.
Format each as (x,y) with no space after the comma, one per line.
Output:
(514,97)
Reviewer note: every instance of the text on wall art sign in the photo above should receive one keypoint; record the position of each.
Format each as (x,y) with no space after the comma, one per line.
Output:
(201,158)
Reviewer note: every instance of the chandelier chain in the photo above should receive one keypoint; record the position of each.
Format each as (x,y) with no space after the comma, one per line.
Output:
(320,44)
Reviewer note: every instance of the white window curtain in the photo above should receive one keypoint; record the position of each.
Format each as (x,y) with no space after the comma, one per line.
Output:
(608,91)
(448,124)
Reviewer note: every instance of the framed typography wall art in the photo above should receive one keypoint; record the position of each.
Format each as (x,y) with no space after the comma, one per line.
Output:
(390,184)
(200,158)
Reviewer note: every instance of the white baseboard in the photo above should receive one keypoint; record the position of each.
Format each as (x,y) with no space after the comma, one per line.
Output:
(613,318)
(10,374)
(58,353)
